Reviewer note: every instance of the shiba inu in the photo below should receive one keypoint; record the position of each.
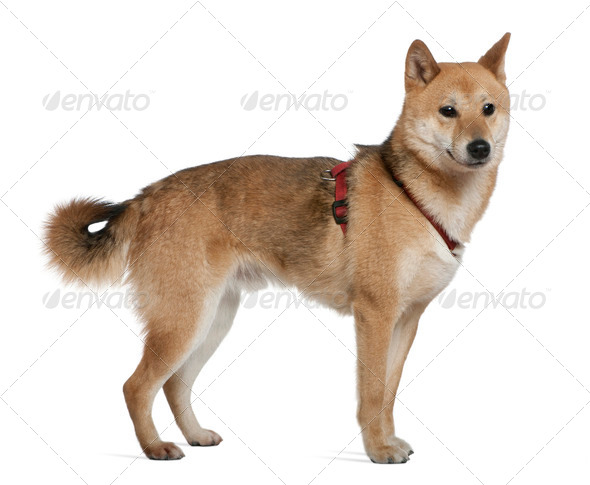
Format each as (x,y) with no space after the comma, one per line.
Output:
(195,240)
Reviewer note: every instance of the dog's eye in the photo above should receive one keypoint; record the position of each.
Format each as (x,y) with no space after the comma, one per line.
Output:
(448,111)
(489,109)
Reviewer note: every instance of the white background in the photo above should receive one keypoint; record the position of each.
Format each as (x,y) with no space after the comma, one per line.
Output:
(491,395)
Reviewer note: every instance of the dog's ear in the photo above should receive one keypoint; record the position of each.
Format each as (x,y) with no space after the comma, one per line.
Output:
(420,66)
(494,58)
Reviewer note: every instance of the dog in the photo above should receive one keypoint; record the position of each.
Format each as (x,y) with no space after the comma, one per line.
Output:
(389,242)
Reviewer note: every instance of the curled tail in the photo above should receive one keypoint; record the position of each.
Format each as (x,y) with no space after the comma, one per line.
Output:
(93,257)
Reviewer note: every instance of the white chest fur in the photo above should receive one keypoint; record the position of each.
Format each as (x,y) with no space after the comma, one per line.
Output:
(425,273)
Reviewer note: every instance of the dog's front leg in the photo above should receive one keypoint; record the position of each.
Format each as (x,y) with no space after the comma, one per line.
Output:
(402,337)
(374,326)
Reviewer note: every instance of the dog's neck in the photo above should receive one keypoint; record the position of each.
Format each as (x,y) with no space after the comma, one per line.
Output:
(455,200)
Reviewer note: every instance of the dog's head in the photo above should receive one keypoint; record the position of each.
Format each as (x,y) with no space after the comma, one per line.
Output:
(456,115)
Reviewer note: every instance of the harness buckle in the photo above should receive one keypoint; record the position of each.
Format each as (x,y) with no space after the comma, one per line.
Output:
(331,178)
(336,205)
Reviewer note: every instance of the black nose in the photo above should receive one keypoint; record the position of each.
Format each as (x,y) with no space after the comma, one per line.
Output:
(479,149)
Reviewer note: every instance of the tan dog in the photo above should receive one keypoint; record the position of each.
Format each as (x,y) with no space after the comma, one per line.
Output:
(195,240)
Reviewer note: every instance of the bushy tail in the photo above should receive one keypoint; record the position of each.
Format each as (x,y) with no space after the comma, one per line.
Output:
(76,253)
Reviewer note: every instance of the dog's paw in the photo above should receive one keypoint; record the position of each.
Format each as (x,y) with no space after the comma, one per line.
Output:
(404,445)
(205,437)
(163,451)
(388,454)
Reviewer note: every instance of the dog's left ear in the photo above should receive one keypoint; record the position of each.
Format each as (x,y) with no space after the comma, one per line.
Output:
(493,59)
(421,68)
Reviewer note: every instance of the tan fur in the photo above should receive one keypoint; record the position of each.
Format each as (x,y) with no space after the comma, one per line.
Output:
(195,240)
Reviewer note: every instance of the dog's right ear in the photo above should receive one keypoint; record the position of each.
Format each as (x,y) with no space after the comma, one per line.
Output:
(420,66)
(494,58)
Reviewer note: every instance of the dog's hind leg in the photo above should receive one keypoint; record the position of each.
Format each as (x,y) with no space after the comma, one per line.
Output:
(178,387)
(173,332)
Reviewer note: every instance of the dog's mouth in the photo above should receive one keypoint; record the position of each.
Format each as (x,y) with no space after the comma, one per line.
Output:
(478,163)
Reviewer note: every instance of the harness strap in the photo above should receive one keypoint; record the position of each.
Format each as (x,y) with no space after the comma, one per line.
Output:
(451,243)
(340,204)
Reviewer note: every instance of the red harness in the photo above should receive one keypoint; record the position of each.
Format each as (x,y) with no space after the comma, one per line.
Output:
(340,205)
